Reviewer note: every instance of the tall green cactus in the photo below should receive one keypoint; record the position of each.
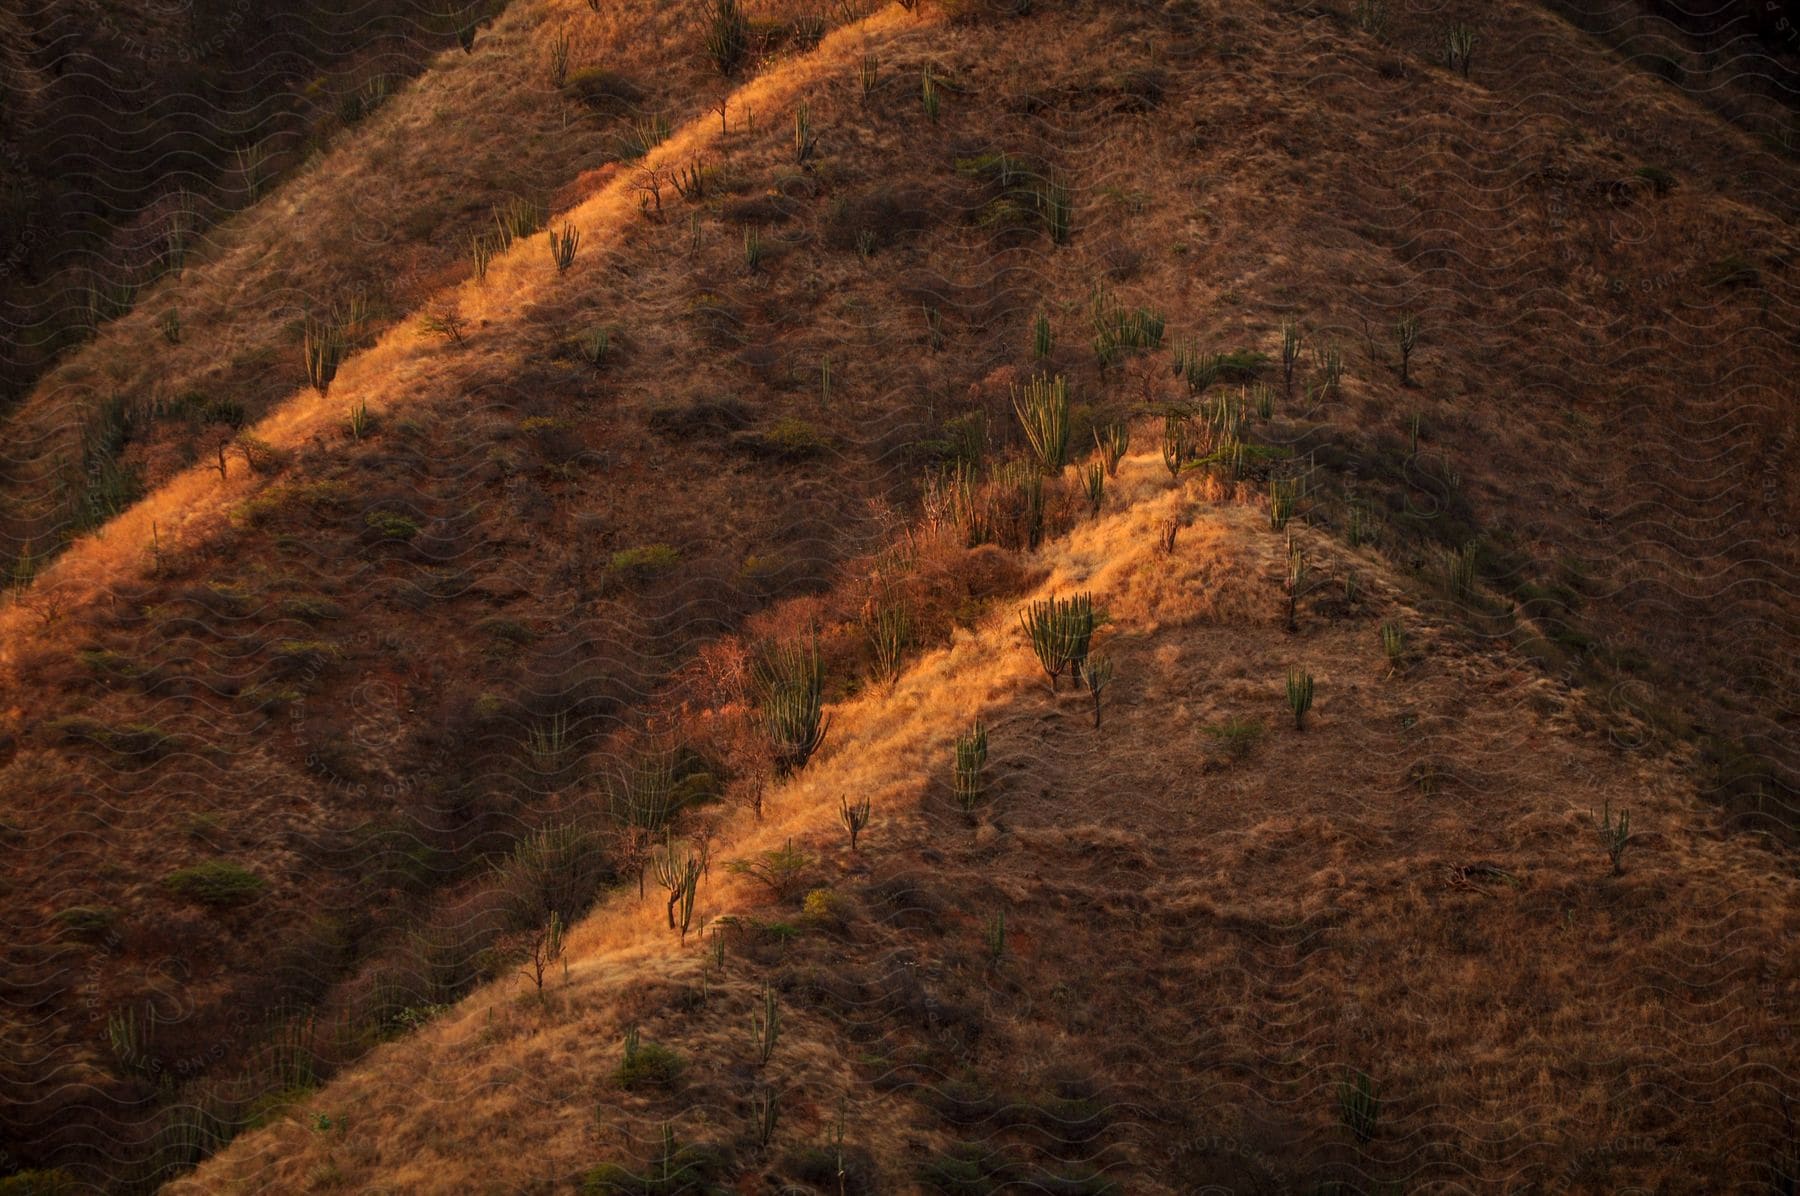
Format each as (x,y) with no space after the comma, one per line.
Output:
(1615,836)
(1299,695)
(1112,445)
(1043,411)
(970,780)
(1176,441)
(1290,355)
(1059,630)
(1093,483)
(790,681)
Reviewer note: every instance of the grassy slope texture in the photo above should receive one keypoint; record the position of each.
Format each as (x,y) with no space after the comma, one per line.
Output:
(359,695)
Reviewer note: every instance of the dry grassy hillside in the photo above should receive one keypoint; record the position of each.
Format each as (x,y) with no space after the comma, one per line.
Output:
(1202,935)
(300,751)
(130,129)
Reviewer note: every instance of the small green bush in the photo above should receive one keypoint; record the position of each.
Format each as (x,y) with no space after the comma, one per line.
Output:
(649,1065)
(390,525)
(38,1183)
(87,922)
(216,883)
(645,561)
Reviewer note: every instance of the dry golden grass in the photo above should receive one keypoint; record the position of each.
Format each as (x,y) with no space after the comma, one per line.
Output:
(1275,919)
(1211,942)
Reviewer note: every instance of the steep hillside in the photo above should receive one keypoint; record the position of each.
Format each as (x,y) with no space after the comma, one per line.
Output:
(1150,957)
(306,742)
(130,129)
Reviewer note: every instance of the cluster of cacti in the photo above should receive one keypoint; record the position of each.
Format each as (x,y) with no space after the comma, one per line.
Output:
(1093,484)
(1176,442)
(1459,47)
(691,181)
(325,342)
(1407,333)
(1333,367)
(643,792)
(765,1027)
(595,346)
(1200,370)
(1264,397)
(1358,1107)
(1295,581)
(1393,644)
(727,34)
(854,816)
(1112,444)
(928,93)
(868,75)
(1118,329)
(1290,354)
(790,681)
(753,250)
(1041,340)
(1016,508)
(1284,499)
(1059,630)
(481,252)
(1615,836)
(357,420)
(1461,571)
(889,629)
(1359,525)
(516,221)
(678,872)
(1299,695)
(1043,411)
(563,244)
(642,136)
(969,781)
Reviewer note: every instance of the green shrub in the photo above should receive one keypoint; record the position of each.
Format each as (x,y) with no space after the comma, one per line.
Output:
(216,883)
(38,1183)
(645,561)
(1236,737)
(1358,1106)
(647,1064)
(390,525)
(782,870)
(674,1169)
(87,922)
(130,739)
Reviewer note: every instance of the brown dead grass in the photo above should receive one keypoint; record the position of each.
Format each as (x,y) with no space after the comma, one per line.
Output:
(1315,186)
(1214,944)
